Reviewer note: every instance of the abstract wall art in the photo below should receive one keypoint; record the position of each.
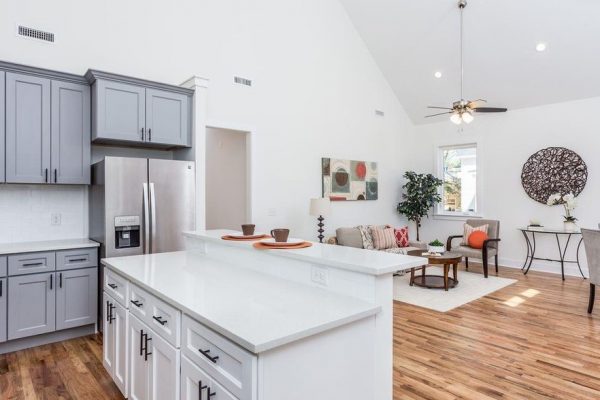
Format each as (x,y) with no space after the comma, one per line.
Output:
(349,180)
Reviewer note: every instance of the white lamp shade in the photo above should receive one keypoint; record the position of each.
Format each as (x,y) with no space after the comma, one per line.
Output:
(321,206)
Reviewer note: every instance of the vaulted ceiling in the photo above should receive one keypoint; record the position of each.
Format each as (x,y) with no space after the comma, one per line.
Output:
(411,40)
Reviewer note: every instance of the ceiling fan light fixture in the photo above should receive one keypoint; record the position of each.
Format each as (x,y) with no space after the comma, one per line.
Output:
(467,117)
(456,118)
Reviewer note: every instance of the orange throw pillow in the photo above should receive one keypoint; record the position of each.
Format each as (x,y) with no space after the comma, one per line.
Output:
(476,239)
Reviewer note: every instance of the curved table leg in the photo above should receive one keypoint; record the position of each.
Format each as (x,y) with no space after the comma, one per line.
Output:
(532,253)
(528,243)
(577,252)
(562,253)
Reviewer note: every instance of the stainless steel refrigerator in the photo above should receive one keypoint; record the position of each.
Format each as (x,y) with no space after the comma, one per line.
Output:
(140,206)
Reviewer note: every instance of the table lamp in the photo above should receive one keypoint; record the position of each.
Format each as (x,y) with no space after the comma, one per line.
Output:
(319,208)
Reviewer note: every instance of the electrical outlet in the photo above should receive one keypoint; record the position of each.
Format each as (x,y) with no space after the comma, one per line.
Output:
(55,219)
(320,275)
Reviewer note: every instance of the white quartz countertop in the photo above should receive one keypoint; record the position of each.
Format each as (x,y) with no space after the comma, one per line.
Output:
(49,245)
(349,258)
(255,310)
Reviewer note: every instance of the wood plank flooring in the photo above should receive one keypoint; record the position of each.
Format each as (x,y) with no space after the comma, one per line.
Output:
(531,340)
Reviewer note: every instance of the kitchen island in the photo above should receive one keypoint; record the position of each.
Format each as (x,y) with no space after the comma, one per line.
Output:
(240,323)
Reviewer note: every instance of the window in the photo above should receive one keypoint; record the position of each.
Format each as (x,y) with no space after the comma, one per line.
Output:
(458,169)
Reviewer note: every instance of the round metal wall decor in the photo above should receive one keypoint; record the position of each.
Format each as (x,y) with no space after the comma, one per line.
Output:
(553,170)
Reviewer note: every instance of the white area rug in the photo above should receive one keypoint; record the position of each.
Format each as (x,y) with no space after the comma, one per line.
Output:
(471,286)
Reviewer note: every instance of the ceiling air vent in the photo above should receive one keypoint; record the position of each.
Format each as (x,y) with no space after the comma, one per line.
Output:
(35,34)
(379,113)
(242,81)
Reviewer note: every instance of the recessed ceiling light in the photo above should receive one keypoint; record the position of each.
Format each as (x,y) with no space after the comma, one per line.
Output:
(438,74)
(541,46)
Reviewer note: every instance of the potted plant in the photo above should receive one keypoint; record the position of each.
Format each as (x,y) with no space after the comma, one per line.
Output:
(436,247)
(421,193)
(569,203)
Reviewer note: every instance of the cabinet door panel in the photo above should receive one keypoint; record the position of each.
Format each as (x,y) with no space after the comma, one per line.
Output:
(164,368)
(3,310)
(2,126)
(70,133)
(31,305)
(27,129)
(167,117)
(76,298)
(139,367)
(119,112)
(108,336)
(121,368)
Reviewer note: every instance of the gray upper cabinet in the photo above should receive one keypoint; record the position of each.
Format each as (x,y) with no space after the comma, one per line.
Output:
(27,128)
(167,117)
(138,112)
(31,305)
(70,133)
(76,297)
(119,111)
(2,125)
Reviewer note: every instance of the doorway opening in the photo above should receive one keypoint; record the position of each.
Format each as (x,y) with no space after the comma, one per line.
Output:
(227,178)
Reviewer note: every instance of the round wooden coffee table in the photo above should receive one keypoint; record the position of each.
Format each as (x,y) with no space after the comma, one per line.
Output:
(436,281)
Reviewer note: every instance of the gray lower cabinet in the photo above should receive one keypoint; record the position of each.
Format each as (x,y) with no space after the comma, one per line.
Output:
(119,111)
(3,310)
(167,117)
(27,128)
(31,305)
(76,300)
(70,133)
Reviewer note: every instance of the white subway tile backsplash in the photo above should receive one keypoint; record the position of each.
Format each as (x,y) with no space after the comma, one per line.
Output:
(25,212)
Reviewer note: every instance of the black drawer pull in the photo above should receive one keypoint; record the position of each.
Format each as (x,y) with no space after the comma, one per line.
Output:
(206,353)
(201,387)
(33,264)
(112,286)
(161,321)
(137,303)
(211,394)
(77,260)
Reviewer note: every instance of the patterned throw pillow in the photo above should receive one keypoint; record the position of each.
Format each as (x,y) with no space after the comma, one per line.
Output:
(383,238)
(367,239)
(470,229)
(402,236)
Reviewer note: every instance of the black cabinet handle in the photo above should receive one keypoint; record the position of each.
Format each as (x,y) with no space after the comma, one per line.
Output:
(141,342)
(46,173)
(107,311)
(111,317)
(146,354)
(32,264)
(60,280)
(1,288)
(201,387)
(150,134)
(211,394)
(206,353)
(51,280)
(142,134)
(55,175)
(77,260)
(112,285)
(137,303)
(160,320)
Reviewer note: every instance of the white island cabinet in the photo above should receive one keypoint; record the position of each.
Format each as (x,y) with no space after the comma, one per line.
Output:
(224,321)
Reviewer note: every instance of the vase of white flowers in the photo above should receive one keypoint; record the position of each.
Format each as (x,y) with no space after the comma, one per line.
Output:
(568,202)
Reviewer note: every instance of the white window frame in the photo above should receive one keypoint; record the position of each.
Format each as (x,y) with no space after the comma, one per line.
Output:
(439,212)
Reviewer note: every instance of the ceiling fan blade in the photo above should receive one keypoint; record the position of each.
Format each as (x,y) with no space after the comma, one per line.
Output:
(490,109)
(473,103)
(441,108)
(435,115)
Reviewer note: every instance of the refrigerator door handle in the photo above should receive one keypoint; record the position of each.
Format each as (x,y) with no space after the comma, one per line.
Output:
(153,217)
(146,219)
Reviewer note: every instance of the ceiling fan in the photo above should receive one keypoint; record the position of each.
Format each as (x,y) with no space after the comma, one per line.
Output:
(462,110)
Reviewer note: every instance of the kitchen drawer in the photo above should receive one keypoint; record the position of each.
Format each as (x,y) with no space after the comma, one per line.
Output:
(164,319)
(3,269)
(77,258)
(195,382)
(116,286)
(31,263)
(229,364)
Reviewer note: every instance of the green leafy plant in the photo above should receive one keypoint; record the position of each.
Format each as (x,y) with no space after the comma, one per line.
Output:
(436,243)
(420,194)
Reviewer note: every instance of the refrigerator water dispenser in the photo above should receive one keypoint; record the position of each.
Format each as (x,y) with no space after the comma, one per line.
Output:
(127,231)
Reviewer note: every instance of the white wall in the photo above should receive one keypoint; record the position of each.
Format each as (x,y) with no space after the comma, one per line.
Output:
(507,141)
(315,85)
(226,179)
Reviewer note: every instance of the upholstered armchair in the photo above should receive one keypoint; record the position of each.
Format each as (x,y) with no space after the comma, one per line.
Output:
(490,246)
(591,241)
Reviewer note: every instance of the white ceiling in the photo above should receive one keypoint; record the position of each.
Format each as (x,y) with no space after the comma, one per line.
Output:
(411,40)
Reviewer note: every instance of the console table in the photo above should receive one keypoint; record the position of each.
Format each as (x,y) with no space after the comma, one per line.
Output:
(530,237)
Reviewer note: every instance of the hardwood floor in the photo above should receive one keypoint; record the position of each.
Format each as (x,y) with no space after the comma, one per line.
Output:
(65,370)
(530,340)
